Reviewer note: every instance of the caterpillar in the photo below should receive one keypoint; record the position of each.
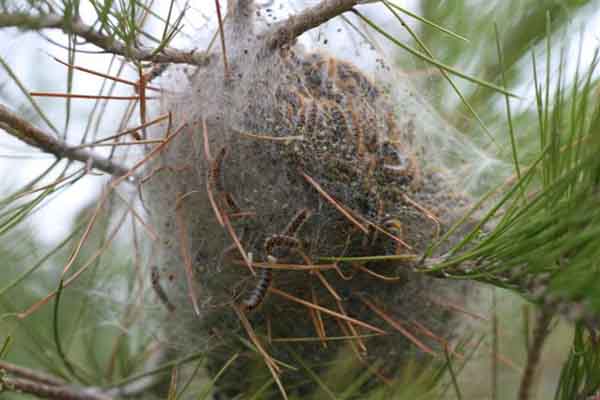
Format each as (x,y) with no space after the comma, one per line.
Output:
(158,289)
(287,241)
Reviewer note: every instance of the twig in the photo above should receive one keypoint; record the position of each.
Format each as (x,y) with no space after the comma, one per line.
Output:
(330,199)
(455,307)
(31,374)
(35,137)
(289,29)
(152,154)
(180,222)
(222,35)
(108,43)
(325,310)
(102,75)
(398,326)
(86,96)
(376,275)
(535,351)
(353,330)
(50,392)
(118,144)
(31,309)
(269,361)
(352,344)
(426,212)
(329,338)
(290,267)
(317,318)
(131,131)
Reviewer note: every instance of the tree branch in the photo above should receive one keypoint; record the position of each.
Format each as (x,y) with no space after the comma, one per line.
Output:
(33,136)
(288,30)
(30,374)
(109,44)
(535,351)
(48,391)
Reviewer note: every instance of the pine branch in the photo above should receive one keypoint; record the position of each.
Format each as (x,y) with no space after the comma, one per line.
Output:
(33,136)
(48,391)
(533,357)
(289,29)
(109,44)
(30,374)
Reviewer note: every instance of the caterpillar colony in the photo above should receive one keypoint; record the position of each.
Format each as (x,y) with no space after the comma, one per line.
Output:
(317,167)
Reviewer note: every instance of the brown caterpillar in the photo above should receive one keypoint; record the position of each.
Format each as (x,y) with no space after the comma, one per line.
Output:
(334,95)
(272,243)
(215,179)
(158,289)
(215,170)
(256,297)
